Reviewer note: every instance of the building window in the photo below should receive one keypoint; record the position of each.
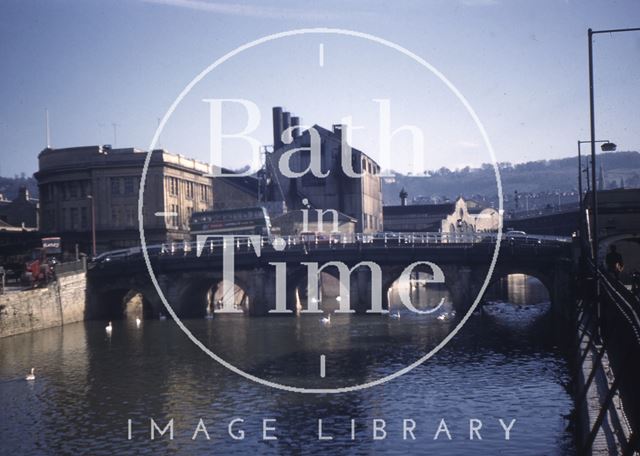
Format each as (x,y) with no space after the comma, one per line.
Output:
(115,186)
(204,194)
(75,218)
(84,221)
(73,189)
(129,186)
(173,186)
(63,221)
(115,219)
(130,214)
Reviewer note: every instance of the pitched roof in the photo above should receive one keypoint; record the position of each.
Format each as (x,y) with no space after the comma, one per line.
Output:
(426,209)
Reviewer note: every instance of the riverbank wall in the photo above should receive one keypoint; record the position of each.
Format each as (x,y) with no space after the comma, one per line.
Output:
(63,301)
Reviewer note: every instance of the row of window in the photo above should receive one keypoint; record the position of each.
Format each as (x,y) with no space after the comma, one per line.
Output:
(175,186)
(372,222)
(75,218)
(124,216)
(370,167)
(126,186)
(176,220)
(65,190)
(229,215)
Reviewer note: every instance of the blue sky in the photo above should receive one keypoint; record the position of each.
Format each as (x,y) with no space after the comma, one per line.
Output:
(521,64)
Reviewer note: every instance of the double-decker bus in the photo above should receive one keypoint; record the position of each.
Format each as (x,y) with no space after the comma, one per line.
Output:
(250,220)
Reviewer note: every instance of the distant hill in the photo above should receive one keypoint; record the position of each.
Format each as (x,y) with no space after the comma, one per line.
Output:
(552,177)
(535,178)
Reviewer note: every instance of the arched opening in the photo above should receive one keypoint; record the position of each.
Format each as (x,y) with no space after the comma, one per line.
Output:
(518,289)
(517,298)
(363,289)
(217,294)
(424,294)
(202,297)
(124,304)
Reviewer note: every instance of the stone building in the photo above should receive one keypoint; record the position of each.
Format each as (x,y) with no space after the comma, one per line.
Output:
(357,197)
(416,218)
(22,212)
(75,181)
(454,217)
(235,192)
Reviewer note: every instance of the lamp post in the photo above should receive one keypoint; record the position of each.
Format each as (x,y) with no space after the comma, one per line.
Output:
(609,147)
(594,198)
(606,146)
(93,225)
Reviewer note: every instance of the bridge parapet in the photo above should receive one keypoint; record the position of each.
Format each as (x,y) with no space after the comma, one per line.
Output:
(185,275)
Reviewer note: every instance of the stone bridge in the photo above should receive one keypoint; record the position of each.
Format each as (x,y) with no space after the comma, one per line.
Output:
(186,278)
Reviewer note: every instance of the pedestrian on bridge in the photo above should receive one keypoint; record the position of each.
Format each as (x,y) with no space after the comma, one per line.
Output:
(614,262)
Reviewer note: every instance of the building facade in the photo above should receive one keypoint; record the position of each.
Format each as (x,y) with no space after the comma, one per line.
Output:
(22,212)
(456,217)
(358,197)
(76,183)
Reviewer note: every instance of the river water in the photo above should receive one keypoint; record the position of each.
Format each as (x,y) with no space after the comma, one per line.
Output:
(503,364)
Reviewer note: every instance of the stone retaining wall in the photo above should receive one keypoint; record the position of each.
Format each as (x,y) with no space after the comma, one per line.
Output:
(60,303)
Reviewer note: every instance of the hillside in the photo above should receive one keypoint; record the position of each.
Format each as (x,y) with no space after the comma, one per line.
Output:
(551,177)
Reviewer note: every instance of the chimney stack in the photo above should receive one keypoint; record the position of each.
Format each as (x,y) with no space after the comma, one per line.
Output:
(277,127)
(23,193)
(295,122)
(339,129)
(286,122)
(403,197)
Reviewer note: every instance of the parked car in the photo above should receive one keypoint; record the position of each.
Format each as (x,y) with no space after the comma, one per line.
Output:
(513,234)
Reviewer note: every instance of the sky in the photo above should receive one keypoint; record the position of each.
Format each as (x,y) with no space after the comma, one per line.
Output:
(107,72)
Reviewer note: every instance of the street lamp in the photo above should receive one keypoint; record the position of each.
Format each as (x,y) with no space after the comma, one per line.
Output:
(93,225)
(594,198)
(608,146)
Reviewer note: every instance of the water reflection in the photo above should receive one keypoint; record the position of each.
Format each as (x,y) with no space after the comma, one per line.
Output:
(88,385)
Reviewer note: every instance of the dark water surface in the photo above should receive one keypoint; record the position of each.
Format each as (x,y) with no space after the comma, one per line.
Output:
(503,364)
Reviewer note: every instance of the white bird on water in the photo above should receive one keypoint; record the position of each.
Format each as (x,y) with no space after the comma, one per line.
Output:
(163,317)
(395,315)
(32,375)
(138,322)
(326,320)
(109,328)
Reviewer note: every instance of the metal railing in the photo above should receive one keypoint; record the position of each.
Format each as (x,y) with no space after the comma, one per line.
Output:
(214,243)
(610,319)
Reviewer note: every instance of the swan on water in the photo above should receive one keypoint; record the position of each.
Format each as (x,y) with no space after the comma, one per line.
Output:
(395,315)
(326,320)
(32,375)
(109,328)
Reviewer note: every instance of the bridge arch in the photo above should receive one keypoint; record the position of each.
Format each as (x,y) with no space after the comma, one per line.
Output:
(123,301)
(423,300)
(200,294)
(546,277)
